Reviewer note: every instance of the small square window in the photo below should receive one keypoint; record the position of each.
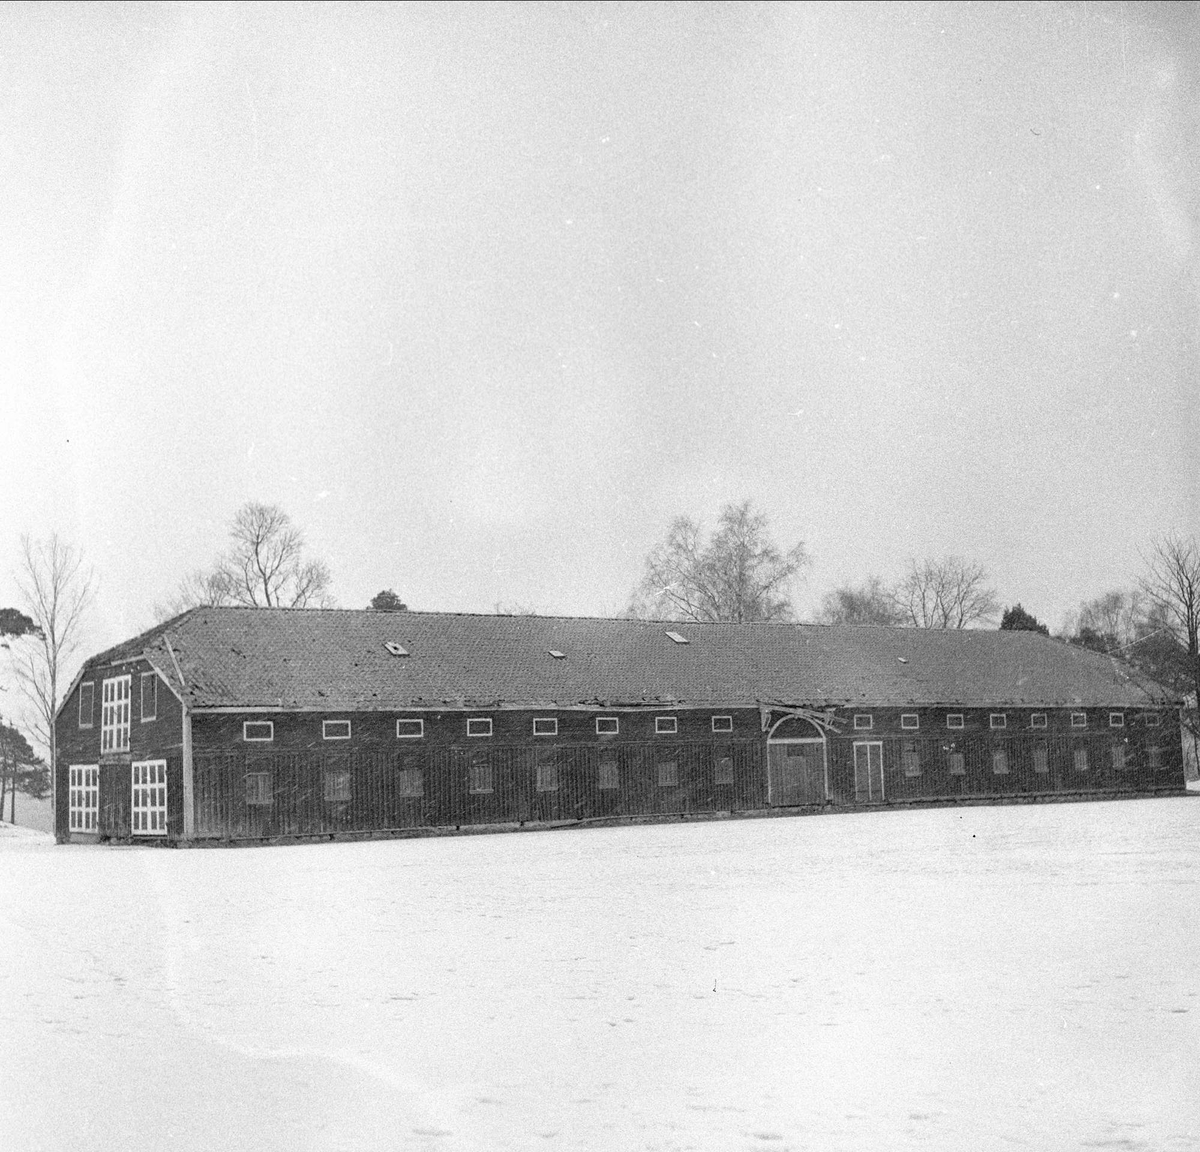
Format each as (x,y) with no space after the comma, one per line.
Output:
(1078,719)
(545,726)
(410,729)
(149,687)
(337,783)
(335,729)
(1116,719)
(87,702)
(862,720)
(1153,720)
(258,788)
(954,719)
(722,723)
(607,725)
(1037,720)
(998,720)
(956,762)
(999,761)
(609,775)
(480,726)
(258,730)
(666,725)
(668,773)
(910,720)
(912,758)
(1041,758)
(1081,760)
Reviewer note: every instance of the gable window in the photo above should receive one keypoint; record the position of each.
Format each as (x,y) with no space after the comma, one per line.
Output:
(1041,757)
(148,810)
(723,769)
(479,772)
(1116,719)
(410,729)
(912,758)
(114,714)
(609,775)
(956,763)
(258,788)
(1037,720)
(545,726)
(1078,719)
(335,729)
(954,719)
(1153,720)
(149,696)
(87,698)
(547,770)
(607,725)
(666,725)
(1081,760)
(668,773)
(722,723)
(998,720)
(1153,756)
(862,720)
(910,720)
(999,761)
(1118,755)
(85,797)
(410,776)
(338,784)
(480,726)
(255,730)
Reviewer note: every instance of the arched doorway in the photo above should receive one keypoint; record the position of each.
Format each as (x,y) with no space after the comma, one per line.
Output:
(797,766)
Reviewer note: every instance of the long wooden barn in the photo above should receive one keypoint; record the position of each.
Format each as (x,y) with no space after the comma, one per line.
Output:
(231,724)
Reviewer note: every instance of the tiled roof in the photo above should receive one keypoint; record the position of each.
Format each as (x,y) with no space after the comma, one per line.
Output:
(337,660)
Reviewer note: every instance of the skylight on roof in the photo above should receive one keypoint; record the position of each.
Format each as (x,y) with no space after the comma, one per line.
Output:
(677,638)
(556,654)
(394,648)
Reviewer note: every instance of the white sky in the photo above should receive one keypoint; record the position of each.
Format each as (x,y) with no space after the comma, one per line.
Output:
(485,295)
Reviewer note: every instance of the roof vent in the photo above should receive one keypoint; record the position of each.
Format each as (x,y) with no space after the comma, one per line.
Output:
(677,638)
(394,648)
(557,654)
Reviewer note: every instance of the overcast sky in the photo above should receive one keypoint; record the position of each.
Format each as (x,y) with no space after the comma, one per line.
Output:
(484,296)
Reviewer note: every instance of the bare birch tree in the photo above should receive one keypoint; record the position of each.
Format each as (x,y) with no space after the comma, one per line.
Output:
(1172,583)
(870,603)
(948,593)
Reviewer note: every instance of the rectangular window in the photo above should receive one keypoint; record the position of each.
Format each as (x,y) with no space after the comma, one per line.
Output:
(1041,758)
(1081,764)
(723,770)
(998,720)
(335,729)
(1153,720)
(149,696)
(114,715)
(954,719)
(999,761)
(337,786)
(862,720)
(912,758)
(1116,719)
(547,770)
(480,772)
(258,788)
(609,775)
(607,725)
(956,763)
(85,797)
(910,720)
(666,725)
(722,723)
(258,730)
(1153,756)
(410,729)
(1037,720)
(547,726)
(87,699)
(668,773)
(1118,755)
(479,726)
(410,783)
(149,802)
(1078,719)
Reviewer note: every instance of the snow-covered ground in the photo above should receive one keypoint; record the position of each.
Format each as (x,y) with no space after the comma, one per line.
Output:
(979,978)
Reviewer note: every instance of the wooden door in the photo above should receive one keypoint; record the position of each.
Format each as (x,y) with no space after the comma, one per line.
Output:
(796,773)
(868,771)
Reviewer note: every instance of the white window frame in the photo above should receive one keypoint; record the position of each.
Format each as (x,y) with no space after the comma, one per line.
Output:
(615,721)
(474,723)
(1153,720)
(90,685)
(545,725)
(148,798)
(325,725)
(1078,719)
(83,808)
(419,734)
(1037,720)
(1116,719)
(722,723)
(114,713)
(910,721)
(863,721)
(248,724)
(954,720)
(153,678)
(997,720)
(666,726)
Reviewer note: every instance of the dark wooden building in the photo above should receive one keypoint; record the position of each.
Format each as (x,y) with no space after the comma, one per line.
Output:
(230,724)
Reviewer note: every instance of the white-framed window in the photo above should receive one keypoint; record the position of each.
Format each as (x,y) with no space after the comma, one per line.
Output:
(410,729)
(1116,719)
(1153,756)
(545,726)
(607,725)
(480,726)
(1153,720)
(1078,719)
(339,783)
(668,773)
(1041,757)
(998,720)
(547,770)
(1037,720)
(911,758)
(1118,755)
(863,720)
(114,714)
(479,772)
(87,702)
(609,775)
(666,725)
(84,804)
(258,789)
(722,723)
(335,729)
(1000,761)
(723,768)
(954,719)
(1081,760)
(956,764)
(258,731)
(148,810)
(149,694)
(910,720)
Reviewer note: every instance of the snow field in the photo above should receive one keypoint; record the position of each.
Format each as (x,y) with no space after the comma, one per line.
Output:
(940,979)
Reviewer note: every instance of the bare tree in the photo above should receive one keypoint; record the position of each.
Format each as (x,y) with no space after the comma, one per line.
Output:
(264,567)
(1109,622)
(870,603)
(57,591)
(949,593)
(1172,584)
(737,575)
